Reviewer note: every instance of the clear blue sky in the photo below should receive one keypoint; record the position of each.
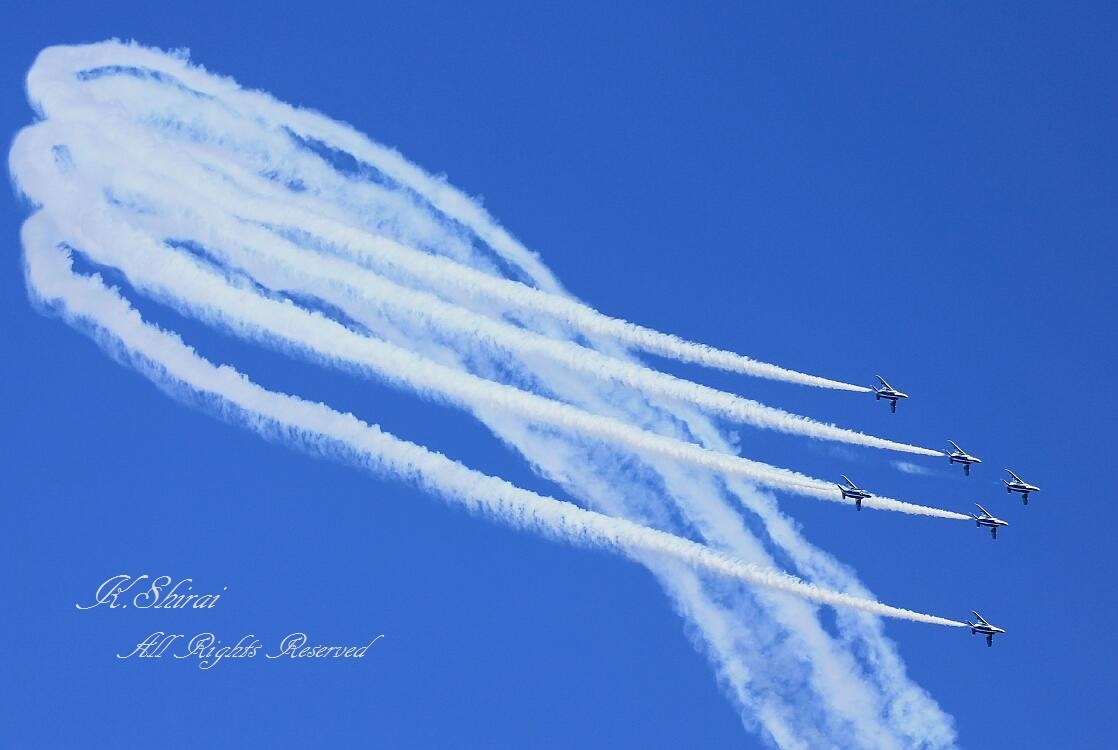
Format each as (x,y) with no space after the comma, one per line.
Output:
(929,194)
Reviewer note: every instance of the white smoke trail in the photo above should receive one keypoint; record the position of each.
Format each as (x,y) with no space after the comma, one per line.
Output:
(182,281)
(187,285)
(183,190)
(790,678)
(840,711)
(63,63)
(88,302)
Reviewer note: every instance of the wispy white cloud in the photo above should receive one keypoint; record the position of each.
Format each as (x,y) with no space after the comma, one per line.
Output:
(910,468)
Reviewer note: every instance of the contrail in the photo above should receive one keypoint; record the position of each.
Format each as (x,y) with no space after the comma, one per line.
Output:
(275,260)
(191,287)
(58,65)
(86,302)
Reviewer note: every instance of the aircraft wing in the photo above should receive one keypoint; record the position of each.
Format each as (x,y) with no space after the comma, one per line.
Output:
(884,382)
(1015,476)
(980,617)
(984,511)
(852,485)
(956,446)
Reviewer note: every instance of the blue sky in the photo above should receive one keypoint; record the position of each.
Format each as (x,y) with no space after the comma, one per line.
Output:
(927,194)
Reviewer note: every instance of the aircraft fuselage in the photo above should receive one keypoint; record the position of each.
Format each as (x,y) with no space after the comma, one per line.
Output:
(889,395)
(991,523)
(964,459)
(855,494)
(1021,487)
(987,630)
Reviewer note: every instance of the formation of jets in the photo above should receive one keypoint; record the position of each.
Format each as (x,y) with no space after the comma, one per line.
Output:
(983,519)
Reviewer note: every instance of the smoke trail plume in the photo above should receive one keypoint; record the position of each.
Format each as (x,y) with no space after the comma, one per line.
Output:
(91,64)
(289,229)
(183,191)
(191,287)
(167,360)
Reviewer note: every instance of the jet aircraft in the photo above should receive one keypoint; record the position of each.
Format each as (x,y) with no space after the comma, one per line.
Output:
(851,491)
(887,392)
(1020,485)
(984,627)
(988,520)
(960,456)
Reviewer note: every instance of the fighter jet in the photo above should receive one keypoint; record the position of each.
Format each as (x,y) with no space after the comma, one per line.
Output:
(960,456)
(1020,485)
(887,392)
(853,492)
(984,627)
(988,520)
